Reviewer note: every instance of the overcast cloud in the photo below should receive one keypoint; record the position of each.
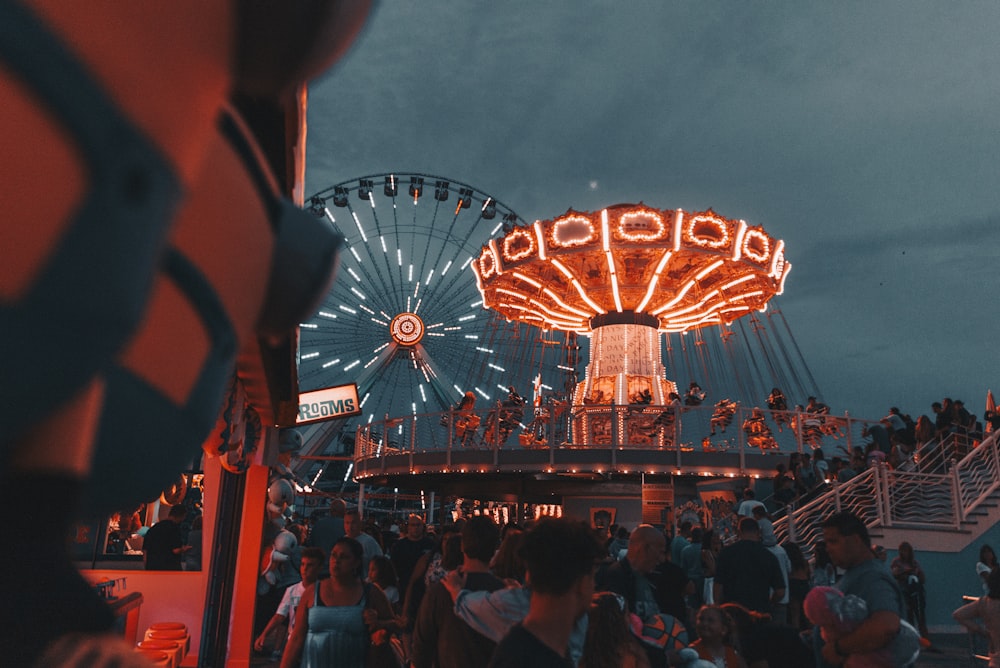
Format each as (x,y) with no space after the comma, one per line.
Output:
(866,135)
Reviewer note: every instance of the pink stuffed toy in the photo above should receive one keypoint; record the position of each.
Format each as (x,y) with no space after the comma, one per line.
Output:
(837,615)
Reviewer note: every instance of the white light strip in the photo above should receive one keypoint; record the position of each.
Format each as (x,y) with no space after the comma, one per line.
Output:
(738,246)
(741,279)
(353,274)
(654,281)
(358,292)
(352,365)
(347,309)
(775,255)
(559,316)
(364,237)
(576,284)
(541,239)
(484,350)
(529,281)
(327,365)
(677,298)
(474,337)
(614,281)
(409,275)
(464,265)
(781,284)
(467,317)
(382,239)
(308,325)
(355,254)
(708,270)
(446,268)
(399,257)
(591,302)
(309,356)
(496,255)
(327,314)
(563,304)
(422,395)
(430,275)
(483,394)
(366,309)
(494,366)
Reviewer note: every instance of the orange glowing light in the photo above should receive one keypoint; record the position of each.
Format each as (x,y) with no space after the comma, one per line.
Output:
(670,269)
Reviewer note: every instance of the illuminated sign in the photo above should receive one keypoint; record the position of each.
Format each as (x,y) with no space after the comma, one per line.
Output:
(332,402)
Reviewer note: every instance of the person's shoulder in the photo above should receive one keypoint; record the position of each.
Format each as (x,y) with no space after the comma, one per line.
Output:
(521,649)
(482,582)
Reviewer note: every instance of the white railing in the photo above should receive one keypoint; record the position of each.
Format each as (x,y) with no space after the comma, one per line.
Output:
(941,498)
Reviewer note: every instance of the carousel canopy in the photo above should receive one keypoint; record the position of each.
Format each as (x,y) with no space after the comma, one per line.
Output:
(631,263)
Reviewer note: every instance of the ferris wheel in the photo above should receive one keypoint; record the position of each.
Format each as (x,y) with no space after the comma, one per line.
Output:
(404,319)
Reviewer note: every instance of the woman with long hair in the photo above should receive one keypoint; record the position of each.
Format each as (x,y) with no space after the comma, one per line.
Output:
(338,616)
(986,608)
(711,545)
(987,564)
(610,642)
(910,576)
(507,563)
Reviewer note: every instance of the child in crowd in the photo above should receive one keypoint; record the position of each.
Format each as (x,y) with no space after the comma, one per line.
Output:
(717,638)
(381,572)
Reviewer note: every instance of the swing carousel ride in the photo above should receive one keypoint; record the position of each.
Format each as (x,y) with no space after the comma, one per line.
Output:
(674,310)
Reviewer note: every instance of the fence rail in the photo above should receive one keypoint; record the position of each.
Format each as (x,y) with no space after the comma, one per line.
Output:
(634,426)
(941,495)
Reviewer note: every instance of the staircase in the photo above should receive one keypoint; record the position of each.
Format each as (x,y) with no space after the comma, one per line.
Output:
(947,503)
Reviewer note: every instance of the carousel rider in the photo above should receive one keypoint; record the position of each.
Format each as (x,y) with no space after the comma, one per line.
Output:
(694,396)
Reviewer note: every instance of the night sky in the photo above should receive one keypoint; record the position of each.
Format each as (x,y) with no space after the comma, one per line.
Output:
(866,135)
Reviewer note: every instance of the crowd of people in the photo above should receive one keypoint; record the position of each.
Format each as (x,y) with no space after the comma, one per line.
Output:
(557,592)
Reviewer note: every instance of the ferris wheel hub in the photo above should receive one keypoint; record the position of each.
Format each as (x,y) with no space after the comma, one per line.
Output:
(407,329)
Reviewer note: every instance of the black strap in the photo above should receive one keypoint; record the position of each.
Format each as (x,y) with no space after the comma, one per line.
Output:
(89,296)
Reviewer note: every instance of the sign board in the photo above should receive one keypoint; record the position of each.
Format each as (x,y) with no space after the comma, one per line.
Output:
(657,503)
(328,404)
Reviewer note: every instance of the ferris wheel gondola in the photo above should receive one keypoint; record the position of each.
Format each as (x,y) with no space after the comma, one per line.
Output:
(404,319)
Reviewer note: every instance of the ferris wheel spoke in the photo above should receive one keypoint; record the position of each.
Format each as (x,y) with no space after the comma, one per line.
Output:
(405,320)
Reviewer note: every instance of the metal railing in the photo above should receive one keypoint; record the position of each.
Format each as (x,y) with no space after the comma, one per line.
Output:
(938,496)
(680,428)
